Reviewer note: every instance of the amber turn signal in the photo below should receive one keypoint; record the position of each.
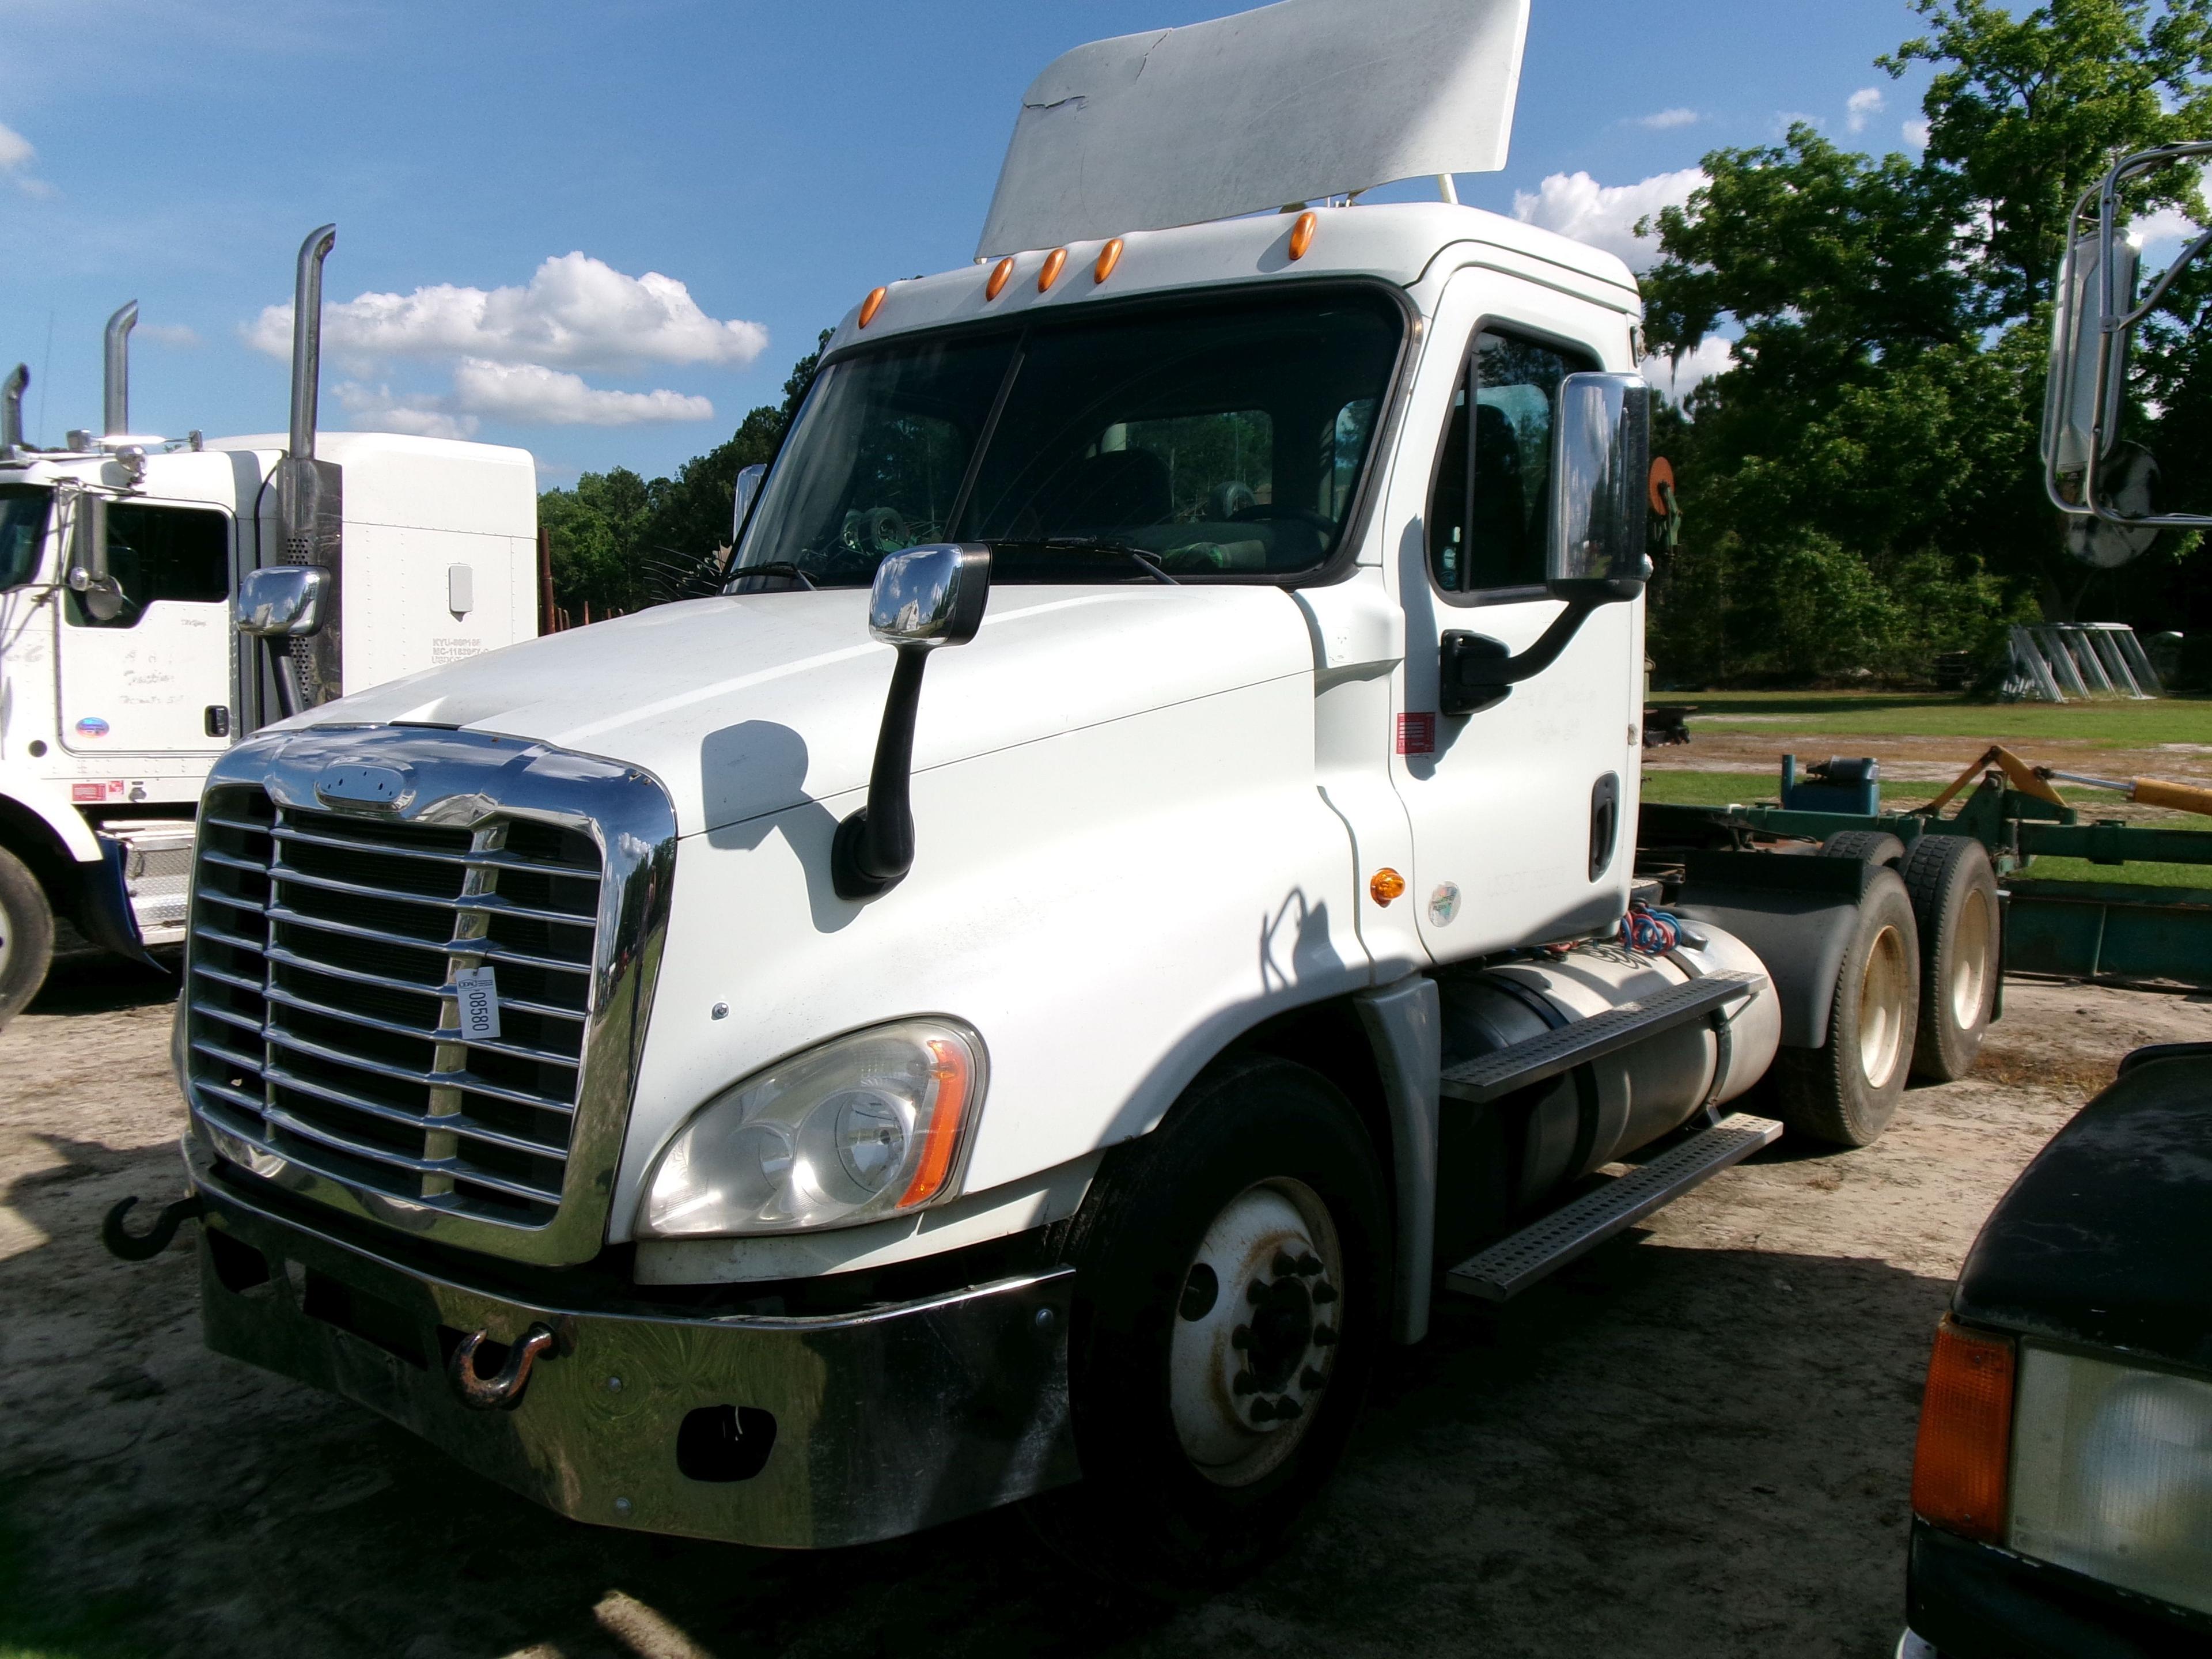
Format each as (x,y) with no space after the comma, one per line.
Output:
(1108,257)
(872,305)
(1386,884)
(1302,233)
(1962,1462)
(999,272)
(1055,263)
(949,1069)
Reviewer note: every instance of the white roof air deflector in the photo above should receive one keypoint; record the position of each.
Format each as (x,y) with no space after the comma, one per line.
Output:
(1290,103)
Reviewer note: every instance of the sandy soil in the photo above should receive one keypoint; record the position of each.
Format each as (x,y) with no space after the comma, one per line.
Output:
(1695,1443)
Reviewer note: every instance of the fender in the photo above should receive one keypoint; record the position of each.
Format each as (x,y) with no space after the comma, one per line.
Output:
(49,802)
(1404,1024)
(1797,913)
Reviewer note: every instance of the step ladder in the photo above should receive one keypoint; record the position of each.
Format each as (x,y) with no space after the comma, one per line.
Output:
(1487,1077)
(1543,1247)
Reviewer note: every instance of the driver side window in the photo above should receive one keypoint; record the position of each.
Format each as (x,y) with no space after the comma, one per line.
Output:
(1490,507)
(158,553)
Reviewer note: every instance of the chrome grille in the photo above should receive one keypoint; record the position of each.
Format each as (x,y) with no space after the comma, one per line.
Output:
(323,1022)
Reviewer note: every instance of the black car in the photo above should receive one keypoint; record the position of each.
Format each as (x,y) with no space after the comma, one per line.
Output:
(2062,1489)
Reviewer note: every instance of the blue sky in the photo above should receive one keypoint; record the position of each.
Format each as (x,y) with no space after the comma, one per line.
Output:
(774,160)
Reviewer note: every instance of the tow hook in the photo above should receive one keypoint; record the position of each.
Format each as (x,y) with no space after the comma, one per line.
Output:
(130,1247)
(503,1391)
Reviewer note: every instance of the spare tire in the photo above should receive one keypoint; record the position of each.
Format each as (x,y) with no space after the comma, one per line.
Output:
(1954,900)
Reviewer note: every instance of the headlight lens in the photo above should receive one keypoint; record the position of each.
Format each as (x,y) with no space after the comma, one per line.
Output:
(868,1125)
(2112,1475)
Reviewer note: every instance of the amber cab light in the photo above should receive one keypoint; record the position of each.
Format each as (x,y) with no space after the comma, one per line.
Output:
(1386,884)
(872,305)
(1055,263)
(1302,233)
(1962,1462)
(999,272)
(1108,257)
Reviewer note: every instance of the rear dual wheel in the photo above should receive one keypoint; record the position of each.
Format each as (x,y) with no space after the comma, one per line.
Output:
(1955,899)
(1846,1090)
(1230,1292)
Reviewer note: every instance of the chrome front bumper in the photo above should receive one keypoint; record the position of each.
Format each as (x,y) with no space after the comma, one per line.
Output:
(793,1432)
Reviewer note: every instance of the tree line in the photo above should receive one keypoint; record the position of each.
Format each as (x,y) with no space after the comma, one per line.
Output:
(1863,487)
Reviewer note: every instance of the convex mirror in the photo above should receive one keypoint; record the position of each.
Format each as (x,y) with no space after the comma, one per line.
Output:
(283,601)
(930,595)
(88,576)
(748,491)
(2075,398)
(1600,467)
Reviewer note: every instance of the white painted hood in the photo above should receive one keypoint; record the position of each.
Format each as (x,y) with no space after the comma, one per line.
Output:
(747,705)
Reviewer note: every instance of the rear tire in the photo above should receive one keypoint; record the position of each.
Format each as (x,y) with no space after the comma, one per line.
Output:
(1954,900)
(1868,846)
(1231,1262)
(1847,1091)
(27,936)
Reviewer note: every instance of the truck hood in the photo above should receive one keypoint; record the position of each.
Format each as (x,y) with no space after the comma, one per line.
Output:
(749,704)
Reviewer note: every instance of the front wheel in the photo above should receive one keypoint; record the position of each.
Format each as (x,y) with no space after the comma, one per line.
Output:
(1230,1298)
(27,936)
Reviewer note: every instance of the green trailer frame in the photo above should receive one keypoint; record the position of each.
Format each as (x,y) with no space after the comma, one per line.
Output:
(2075,929)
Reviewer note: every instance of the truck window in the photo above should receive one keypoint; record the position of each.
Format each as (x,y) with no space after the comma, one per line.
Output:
(22,522)
(158,553)
(1489,509)
(1217,438)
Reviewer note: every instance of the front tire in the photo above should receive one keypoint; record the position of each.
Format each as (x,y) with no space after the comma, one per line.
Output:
(27,936)
(1230,1298)
(1846,1090)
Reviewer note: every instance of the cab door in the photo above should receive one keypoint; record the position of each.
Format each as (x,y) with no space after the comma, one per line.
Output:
(1522,812)
(155,677)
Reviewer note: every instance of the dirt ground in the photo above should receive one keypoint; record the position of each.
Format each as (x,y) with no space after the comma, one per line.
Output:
(1695,1443)
(1754,743)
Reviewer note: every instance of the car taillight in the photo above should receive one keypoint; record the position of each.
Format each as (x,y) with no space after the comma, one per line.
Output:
(1960,1464)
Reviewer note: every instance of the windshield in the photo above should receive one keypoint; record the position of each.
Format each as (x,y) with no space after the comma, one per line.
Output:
(22,519)
(1212,439)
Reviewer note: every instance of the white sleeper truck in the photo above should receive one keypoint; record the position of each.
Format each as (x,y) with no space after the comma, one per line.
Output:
(128,566)
(1131,891)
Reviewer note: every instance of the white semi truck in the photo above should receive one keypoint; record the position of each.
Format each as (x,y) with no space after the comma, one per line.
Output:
(716,1078)
(128,566)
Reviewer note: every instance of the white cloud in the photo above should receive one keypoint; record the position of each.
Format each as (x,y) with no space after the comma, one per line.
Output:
(533,395)
(1605,215)
(1713,356)
(1916,134)
(1667,117)
(374,409)
(577,312)
(16,155)
(1861,107)
(169,334)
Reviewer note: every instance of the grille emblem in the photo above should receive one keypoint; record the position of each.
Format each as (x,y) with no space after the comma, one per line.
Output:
(386,788)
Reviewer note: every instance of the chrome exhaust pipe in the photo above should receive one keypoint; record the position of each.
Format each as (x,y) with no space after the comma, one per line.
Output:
(307,339)
(11,411)
(115,386)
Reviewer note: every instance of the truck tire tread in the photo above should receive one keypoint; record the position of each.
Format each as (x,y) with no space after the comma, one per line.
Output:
(27,936)
(1942,874)
(1825,1093)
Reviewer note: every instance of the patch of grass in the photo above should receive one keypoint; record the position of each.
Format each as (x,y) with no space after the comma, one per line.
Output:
(1751,789)
(1908,714)
(43,1620)
(2198,876)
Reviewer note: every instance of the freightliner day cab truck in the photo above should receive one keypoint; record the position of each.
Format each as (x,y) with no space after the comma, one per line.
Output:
(127,565)
(1120,902)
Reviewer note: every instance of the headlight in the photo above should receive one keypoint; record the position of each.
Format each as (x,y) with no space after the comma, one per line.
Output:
(868,1125)
(2112,1475)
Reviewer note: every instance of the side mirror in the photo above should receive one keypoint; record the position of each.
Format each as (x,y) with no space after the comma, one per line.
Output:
(88,576)
(924,597)
(748,488)
(2076,399)
(1600,473)
(282,602)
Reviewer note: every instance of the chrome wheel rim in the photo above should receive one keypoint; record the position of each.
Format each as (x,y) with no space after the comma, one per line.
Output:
(1970,961)
(1881,1008)
(1255,1332)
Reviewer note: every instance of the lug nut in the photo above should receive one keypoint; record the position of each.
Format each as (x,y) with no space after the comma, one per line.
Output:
(1245,1382)
(1241,1337)
(1286,1408)
(1308,1265)
(1323,1337)
(1323,1293)
(1256,1292)
(1312,1379)
(1282,1266)
(1263,1410)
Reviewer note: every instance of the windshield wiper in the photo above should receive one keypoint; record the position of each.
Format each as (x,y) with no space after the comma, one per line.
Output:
(1142,558)
(775,568)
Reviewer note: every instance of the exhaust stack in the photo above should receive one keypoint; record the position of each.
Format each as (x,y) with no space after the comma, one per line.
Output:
(310,493)
(307,339)
(115,386)
(11,411)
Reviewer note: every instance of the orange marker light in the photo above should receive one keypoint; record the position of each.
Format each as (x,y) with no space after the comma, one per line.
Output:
(942,1138)
(1386,884)
(1302,233)
(1961,1464)
(1108,257)
(999,272)
(1055,263)
(872,305)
